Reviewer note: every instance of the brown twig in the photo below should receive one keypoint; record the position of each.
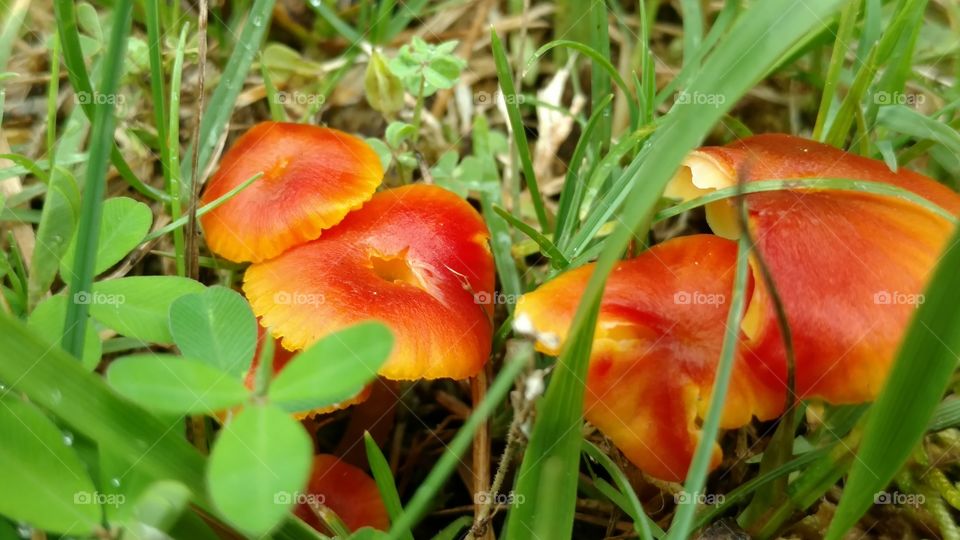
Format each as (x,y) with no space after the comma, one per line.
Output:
(192,232)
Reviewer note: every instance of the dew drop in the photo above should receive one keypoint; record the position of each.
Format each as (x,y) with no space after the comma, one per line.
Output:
(68,438)
(115,482)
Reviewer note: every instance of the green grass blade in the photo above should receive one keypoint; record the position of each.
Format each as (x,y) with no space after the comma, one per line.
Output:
(151,10)
(571,197)
(848,21)
(384,479)
(519,132)
(500,241)
(697,475)
(898,420)
(101,141)
(66,16)
(546,246)
(217,115)
(730,73)
(607,68)
(642,523)
(326,13)
(693,25)
(418,505)
(598,32)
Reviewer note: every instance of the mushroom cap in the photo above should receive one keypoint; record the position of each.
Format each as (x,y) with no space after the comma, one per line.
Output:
(281,357)
(656,346)
(416,258)
(346,490)
(850,267)
(312,177)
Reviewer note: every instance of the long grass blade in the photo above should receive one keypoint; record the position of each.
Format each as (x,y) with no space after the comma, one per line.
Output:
(101,141)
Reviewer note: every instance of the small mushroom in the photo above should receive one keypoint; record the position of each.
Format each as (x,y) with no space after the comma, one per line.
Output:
(348,491)
(655,351)
(849,266)
(312,177)
(416,258)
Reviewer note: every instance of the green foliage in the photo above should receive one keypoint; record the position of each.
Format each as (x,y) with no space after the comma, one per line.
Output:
(333,369)
(425,68)
(258,466)
(123,226)
(216,327)
(45,482)
(169,384)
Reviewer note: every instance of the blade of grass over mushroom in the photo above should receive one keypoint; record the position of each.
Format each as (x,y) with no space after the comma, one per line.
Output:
(730,73)
(546,246)
(182,220)
(519,132)
(643,527)
(101,141)
(899,418)
(220,105)
(82,401)
(840,184)
(682,524)
(419,504)
(66,17)
(385,482)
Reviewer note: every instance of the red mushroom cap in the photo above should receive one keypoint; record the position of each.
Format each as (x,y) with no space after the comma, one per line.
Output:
(655,352)
(850,266)
(348,491)
(312,177)
(416,258)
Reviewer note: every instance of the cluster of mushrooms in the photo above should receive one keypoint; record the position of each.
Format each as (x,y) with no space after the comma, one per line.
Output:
(328,251)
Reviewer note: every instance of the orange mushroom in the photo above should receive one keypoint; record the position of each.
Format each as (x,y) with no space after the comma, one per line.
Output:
(348,491)
(312,177)
(416,258)
(655,351)
(850,266)
(281,357)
